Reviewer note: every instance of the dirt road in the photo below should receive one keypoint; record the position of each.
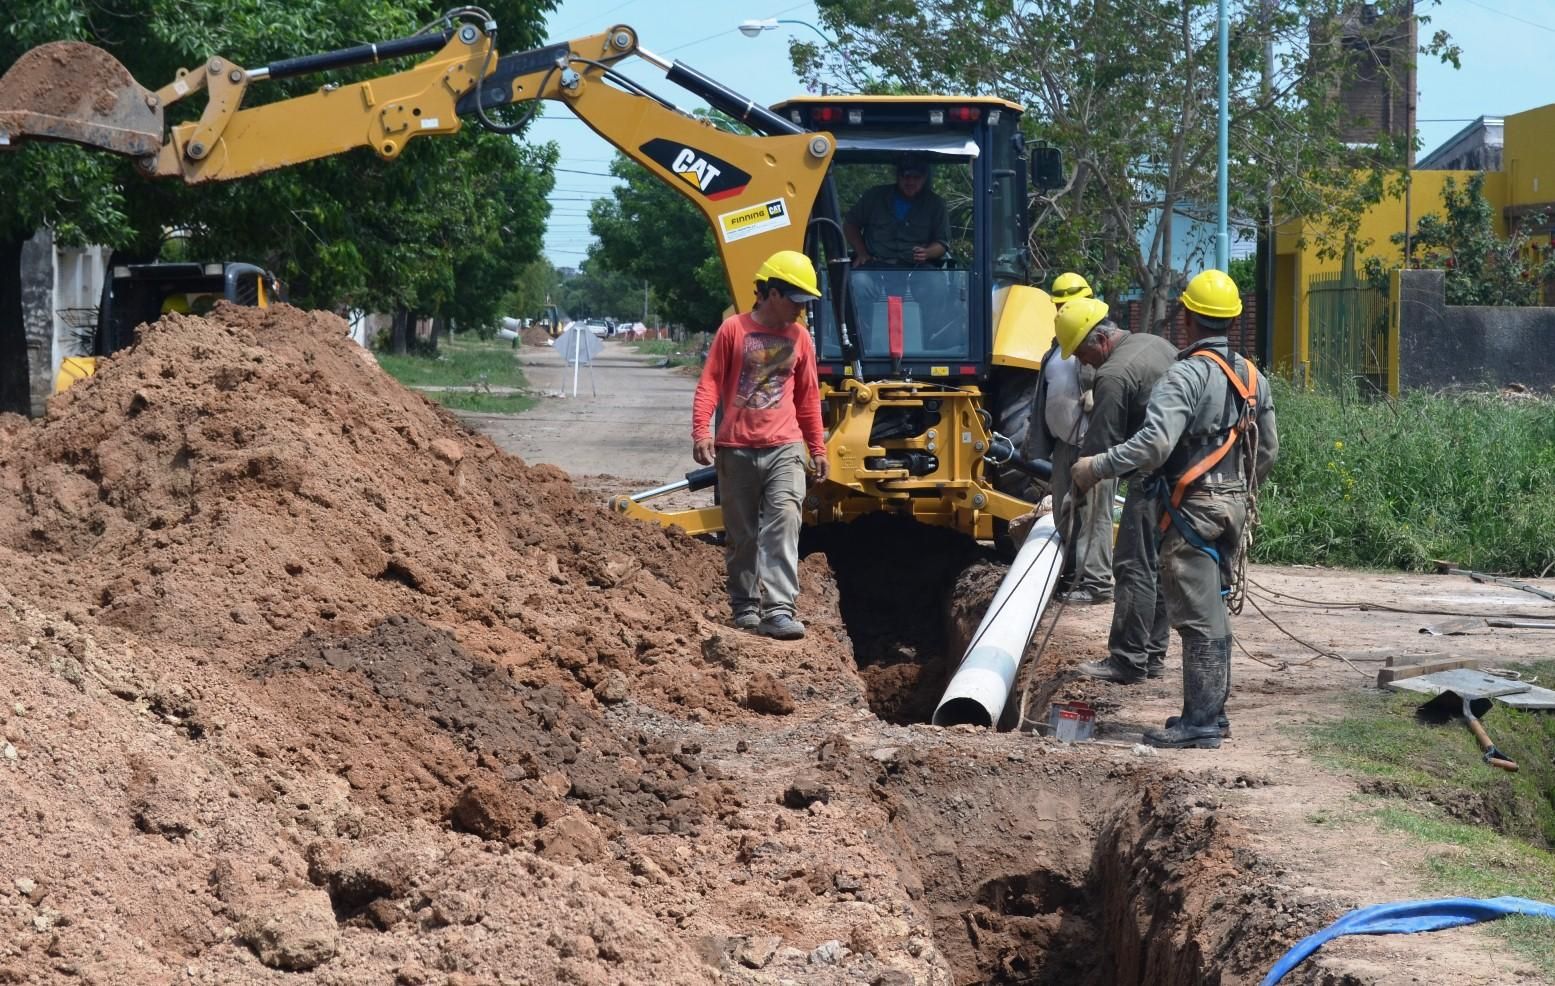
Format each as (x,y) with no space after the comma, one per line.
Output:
(638,428)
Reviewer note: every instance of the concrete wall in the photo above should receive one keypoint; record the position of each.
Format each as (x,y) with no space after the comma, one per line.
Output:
(59,285)
(38,314)
(1469,346)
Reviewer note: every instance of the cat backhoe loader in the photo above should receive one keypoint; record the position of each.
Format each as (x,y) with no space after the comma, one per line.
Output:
(924,386)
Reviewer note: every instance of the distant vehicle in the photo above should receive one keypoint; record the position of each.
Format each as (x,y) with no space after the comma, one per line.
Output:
(598,326)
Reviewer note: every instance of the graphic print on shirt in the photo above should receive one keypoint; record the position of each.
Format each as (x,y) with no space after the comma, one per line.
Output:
(765,365)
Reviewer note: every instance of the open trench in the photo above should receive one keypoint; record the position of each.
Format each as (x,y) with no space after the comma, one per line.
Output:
(1038,866)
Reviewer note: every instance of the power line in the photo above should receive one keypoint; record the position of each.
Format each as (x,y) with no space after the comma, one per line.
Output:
(1520,20)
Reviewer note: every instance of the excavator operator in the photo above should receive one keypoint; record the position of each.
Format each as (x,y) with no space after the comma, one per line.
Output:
(901,224)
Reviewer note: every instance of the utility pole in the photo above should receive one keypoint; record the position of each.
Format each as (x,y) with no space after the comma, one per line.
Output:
(1222,232)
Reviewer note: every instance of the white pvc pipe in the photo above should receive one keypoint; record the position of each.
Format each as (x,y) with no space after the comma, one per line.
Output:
(982,684)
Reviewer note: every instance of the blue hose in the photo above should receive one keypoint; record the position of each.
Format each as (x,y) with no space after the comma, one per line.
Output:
(1408,917)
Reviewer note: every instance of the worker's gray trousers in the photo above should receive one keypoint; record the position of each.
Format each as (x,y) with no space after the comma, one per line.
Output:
(1190,578)
(1140,633)
(1089,557)
(761,491)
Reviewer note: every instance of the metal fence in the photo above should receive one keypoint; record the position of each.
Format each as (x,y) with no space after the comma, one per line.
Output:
(1349,338)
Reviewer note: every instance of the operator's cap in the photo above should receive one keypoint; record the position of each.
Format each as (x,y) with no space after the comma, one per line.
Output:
(913,164)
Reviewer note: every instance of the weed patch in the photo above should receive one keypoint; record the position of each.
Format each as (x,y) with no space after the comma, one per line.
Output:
(1396,484)
(460,363)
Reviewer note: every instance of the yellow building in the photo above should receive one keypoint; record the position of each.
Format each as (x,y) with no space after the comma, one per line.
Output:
(1526,184)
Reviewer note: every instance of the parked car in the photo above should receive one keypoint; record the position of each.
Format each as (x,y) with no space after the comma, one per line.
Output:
(597,326)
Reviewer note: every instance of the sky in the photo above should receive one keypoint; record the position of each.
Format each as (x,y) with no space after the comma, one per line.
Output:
(1506,63)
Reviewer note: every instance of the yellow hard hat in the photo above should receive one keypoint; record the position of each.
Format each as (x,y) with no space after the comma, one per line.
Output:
(176,303)
(1075,321)
(1069,286)
(1213,294)
(793,269)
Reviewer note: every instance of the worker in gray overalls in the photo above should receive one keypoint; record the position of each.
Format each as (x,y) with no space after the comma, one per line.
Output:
(1208,439)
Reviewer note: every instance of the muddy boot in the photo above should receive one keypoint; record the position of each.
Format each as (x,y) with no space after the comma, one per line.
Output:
(1205,672)
(1155,667)
(1110,670)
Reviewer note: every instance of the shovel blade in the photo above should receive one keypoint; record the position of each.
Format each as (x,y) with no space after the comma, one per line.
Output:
(75,92)
(1449,705)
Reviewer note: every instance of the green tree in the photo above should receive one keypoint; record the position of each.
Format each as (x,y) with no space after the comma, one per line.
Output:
(1482,268)
(437,231)
(600,291)
(651,232)
(1127,88)
(536,284)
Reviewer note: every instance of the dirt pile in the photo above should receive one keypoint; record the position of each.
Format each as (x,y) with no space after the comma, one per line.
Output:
(536,336)
(302,674)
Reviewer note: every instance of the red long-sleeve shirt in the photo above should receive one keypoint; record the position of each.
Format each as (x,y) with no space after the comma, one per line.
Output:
(765,381)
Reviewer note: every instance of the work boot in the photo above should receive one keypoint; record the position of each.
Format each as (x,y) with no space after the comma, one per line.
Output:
(780,626)
(1155,667)
(1205,673)
(1221,720)
(748,620)
(1110,670)
(1084,597)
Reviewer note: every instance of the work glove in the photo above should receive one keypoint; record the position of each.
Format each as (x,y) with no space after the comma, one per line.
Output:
(1083,475)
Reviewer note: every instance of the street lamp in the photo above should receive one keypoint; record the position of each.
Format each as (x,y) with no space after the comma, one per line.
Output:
(753,28)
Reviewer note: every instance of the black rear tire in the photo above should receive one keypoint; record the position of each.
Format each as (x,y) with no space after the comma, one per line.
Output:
(1013,403)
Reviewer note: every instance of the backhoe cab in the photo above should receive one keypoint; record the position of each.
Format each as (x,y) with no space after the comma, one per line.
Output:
(134,294)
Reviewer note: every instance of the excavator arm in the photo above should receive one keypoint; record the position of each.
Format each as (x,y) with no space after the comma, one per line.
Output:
(756,191)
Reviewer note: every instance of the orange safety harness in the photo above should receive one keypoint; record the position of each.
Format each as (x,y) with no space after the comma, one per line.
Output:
(1247,390)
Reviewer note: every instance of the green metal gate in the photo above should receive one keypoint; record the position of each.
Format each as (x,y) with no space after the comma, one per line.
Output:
(1348,332)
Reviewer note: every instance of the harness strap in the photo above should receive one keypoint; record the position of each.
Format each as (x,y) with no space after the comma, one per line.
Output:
(1248,391)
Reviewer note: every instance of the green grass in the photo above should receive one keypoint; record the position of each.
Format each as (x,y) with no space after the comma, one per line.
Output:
(484,403)
(461,363)
(1482,832)
(1396,484)
(686,353)
(1472,861)
(1380,739)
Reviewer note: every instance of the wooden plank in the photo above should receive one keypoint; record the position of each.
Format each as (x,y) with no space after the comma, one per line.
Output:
(1386,675)
(1519,624)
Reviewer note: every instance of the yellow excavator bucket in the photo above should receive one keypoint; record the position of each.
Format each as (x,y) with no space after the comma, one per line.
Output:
(73,369)
(74,92)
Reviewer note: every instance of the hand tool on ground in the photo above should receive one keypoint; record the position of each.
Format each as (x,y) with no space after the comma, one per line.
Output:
(1450,705)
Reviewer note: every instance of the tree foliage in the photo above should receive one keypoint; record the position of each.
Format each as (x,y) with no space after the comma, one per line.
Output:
(1482,267)
(652,233)
(598,290)
(1128,89)
(440,231)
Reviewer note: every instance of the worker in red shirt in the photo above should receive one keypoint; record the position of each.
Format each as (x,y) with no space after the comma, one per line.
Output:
(761,373)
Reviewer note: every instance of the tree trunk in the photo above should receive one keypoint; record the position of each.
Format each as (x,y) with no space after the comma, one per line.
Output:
(399,332)
(15,391)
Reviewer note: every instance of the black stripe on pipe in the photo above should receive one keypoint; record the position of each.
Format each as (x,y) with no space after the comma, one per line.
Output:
(419,44)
